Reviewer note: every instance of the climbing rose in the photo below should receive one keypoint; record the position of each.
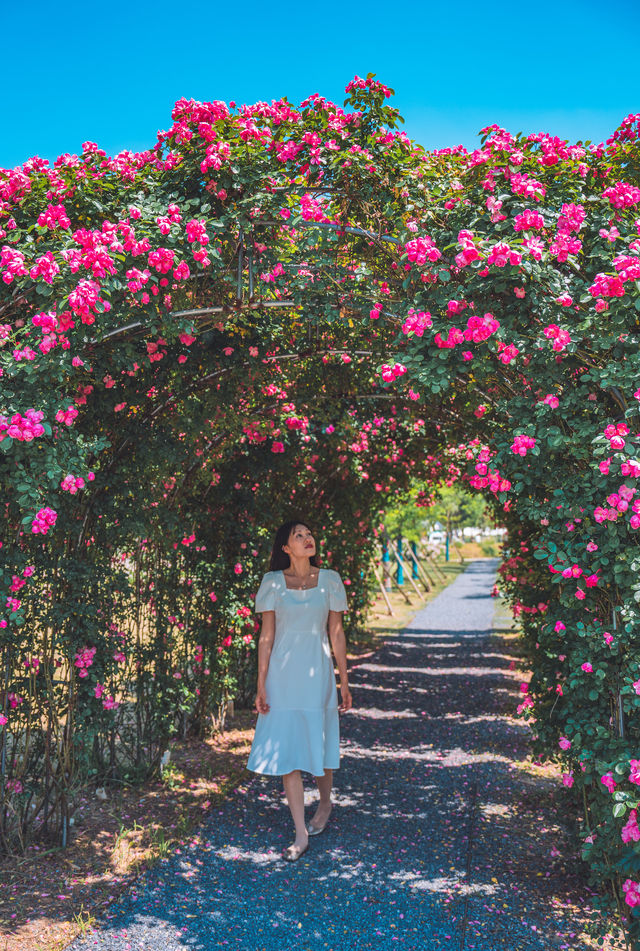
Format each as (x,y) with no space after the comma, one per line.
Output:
(631,891)
(631,832)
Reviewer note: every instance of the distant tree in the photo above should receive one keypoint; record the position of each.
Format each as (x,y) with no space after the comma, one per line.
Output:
(406,519)
(456,507)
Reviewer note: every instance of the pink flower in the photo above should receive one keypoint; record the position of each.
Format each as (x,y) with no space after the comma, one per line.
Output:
(181,272)
(521,444)
(237,568)
(419,250)
(416,322)
(634,775)
(528,220)
(559,626)
(631,832)
(622,195)
(631,891)
(564,743)
(54,216)
(197,231)
(277,447)
(67,416)
(608,781)
(587,667)
(45,518)
(567,779)
(559,337)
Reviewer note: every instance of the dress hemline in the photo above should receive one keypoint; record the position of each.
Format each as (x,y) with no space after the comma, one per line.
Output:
(303,769)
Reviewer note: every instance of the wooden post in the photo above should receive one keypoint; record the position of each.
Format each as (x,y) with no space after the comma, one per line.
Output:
(436,566)
(383,591)
(401,590)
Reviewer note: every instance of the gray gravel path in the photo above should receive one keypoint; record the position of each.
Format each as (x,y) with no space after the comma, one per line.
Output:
(437,840)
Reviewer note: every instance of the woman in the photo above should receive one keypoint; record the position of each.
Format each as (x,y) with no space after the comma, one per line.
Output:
(296,700)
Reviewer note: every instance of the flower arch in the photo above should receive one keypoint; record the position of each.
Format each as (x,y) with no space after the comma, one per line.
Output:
(295,307)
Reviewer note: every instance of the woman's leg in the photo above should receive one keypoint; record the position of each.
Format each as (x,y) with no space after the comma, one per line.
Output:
(294,792)
(323,811)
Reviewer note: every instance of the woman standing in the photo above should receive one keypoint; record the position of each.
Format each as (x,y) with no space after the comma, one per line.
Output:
(296,700)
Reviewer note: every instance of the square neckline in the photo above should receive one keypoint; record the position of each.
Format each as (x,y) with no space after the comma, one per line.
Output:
(287,588)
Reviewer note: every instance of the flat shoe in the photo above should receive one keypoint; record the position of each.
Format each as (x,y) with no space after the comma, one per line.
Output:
(291,854)
(316,830)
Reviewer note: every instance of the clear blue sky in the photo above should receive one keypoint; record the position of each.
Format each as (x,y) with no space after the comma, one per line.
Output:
(110,72)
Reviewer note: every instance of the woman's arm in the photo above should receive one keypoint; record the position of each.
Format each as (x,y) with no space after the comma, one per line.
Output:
(265,645)
(339,647)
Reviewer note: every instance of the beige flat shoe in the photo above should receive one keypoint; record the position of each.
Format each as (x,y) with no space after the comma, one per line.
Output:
(293,853)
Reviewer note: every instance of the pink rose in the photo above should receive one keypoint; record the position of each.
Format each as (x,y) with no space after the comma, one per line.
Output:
(608,781)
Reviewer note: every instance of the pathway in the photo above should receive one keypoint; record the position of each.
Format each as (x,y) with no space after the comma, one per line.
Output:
(437,840)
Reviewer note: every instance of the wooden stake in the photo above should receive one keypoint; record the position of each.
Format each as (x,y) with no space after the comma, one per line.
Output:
(383,590)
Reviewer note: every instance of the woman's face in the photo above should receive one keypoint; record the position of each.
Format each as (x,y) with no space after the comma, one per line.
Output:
(301,543)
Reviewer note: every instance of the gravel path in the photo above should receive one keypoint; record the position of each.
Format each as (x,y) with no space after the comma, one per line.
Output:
(437,840)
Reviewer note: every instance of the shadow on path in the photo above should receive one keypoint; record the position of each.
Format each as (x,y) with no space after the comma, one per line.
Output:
(437,840)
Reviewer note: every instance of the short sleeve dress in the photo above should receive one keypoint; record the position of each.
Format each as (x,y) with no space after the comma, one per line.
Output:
(301,730)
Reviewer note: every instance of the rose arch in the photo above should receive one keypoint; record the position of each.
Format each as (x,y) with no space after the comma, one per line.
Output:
(297,308)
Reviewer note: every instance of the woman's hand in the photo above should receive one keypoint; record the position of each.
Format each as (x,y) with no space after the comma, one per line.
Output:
(261,700)
(347,700)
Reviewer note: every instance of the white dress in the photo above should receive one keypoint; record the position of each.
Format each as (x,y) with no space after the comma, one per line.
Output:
(301,730)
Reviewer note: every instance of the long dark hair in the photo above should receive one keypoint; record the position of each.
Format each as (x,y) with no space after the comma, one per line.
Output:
(279,558)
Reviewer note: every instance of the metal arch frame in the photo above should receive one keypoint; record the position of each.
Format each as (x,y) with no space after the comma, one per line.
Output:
(252,304)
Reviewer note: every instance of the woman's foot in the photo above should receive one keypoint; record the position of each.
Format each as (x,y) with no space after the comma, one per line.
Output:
(320,818)
(295,851)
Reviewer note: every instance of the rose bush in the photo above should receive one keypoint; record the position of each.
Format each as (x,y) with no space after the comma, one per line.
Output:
(284,308)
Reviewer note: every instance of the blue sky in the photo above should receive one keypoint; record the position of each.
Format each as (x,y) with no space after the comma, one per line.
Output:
(110,73)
